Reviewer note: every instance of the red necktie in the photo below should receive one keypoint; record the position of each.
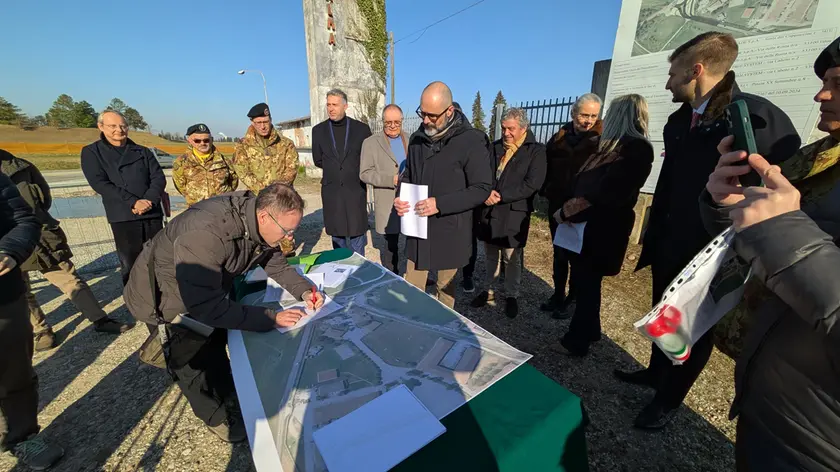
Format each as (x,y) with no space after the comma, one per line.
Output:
(695,118)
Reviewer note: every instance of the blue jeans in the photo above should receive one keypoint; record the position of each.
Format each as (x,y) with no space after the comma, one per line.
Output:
(354,243)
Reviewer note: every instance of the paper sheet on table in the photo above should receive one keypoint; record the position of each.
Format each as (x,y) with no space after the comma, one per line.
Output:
(378,435)
(275,293)
(329,307)
(570,236)
(256,275)
(334,274)
(411,224)
(315,279)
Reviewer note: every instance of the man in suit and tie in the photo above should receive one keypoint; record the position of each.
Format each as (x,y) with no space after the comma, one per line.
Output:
(337,149)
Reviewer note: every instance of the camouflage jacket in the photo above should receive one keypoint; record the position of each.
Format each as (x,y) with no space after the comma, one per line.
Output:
(197,180)
(258,165)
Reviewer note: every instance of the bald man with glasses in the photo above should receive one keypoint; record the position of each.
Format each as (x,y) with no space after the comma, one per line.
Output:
(452,159)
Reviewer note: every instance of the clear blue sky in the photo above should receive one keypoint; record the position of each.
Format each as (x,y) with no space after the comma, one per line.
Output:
(176,62)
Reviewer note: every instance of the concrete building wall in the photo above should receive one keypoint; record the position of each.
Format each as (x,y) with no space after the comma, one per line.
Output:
(343,65)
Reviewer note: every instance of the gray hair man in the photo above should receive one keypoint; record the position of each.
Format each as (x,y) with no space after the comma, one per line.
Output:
(450,158)
(131,183)
(383,159)
(565,152)
(337,148)
(194,260)
(520,166)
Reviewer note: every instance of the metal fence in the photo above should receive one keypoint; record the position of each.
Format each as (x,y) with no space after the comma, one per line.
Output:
(410,124)
(547,116)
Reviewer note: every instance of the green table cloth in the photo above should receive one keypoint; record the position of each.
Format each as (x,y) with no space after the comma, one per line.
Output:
(523,423)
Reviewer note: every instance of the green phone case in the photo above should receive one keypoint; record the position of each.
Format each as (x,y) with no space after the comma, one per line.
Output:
(740,126)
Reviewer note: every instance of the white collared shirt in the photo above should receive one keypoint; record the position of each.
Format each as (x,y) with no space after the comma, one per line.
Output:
(702,108)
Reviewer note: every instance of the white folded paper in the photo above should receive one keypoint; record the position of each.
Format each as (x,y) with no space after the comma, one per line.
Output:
(570,236)
(412,224)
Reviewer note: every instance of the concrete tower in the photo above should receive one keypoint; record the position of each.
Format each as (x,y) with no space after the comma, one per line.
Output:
(344,47)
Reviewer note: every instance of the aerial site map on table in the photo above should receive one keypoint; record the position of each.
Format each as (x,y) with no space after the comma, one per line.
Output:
(386,333)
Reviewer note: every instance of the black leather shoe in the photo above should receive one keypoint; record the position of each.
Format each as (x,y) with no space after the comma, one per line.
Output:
(511,307)
(641,377)
(570,350)
(468,285)
(482,299)
(111,326)
(654,417)
(553,303)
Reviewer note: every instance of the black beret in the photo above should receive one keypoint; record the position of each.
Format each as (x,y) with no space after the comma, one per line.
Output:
(199,128)
(260,109)
(829,58)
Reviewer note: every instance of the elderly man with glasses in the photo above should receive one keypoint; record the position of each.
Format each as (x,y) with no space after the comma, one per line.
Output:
(131,184)
(383,159)
(202,172)
(452,159)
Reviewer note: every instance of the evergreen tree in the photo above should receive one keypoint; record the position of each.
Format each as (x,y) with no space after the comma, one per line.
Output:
(9,113)
(500,100)
(84,116)
(478,114)
(61,113)
(135,119)
(117,105)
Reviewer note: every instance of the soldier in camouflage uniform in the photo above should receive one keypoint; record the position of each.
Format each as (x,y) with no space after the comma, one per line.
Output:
(202,172)
(265,156)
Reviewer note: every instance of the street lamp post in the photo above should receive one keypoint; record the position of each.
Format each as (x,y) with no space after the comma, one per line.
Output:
(265,89)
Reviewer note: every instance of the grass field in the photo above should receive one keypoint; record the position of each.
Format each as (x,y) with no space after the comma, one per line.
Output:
(52,161)
(48,134)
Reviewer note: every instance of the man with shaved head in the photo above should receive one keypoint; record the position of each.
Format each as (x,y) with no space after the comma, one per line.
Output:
(451,158)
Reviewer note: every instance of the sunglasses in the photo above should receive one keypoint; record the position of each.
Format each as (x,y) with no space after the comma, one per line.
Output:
(202,141)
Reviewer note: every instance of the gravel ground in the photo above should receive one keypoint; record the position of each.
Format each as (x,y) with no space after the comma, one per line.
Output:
(113,413)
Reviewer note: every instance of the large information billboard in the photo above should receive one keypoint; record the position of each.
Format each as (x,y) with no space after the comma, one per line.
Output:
(778,42)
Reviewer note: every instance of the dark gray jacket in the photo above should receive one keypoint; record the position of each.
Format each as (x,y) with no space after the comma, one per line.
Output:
(19,231)
(787,380)
(196,258)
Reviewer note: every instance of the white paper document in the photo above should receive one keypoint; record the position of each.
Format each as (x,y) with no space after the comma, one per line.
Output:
(316,279)
(256,275)
(378,435)
(275,293)
(570,236)
(334,274)
(329,307)
(412,224)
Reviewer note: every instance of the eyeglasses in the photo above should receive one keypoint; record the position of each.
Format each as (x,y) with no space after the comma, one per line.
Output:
(114,127)
(393,124)
(286,232)
(430,116)
(202,141)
